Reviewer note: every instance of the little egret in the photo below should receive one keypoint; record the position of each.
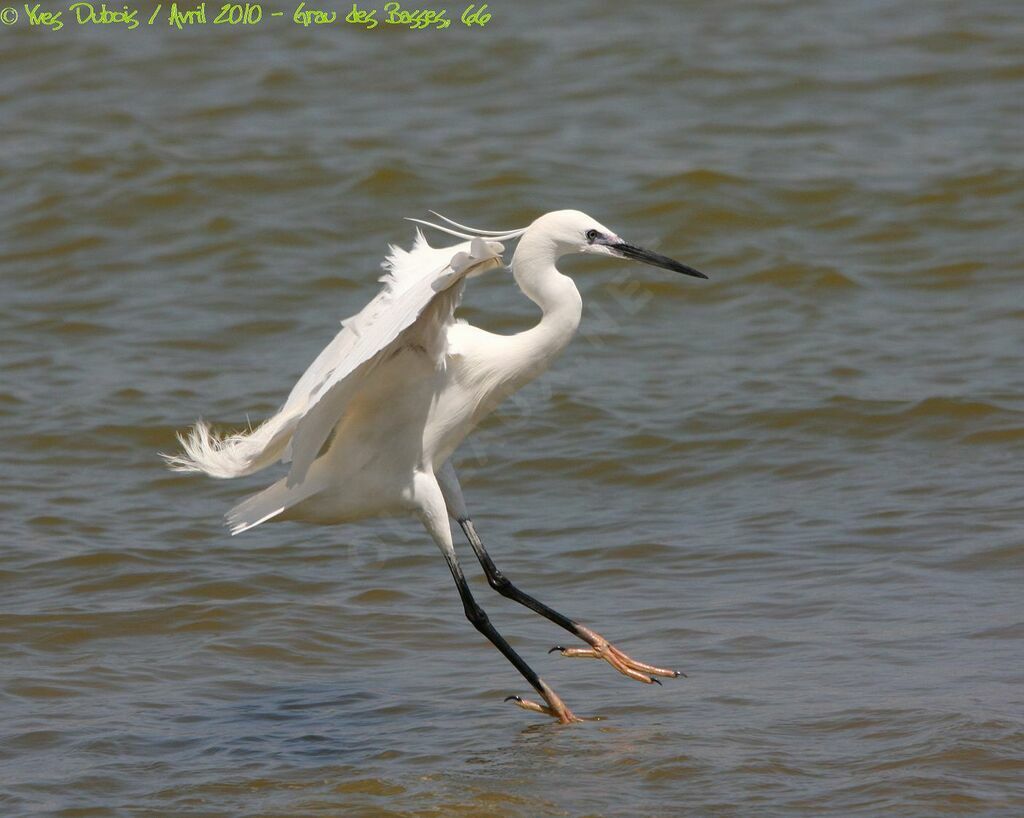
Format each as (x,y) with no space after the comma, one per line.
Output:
(371,427)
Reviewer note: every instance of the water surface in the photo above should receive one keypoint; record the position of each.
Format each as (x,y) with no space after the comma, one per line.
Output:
(799,482)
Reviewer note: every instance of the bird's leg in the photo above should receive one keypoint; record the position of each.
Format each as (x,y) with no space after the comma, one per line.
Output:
(435,518)
(600,648)
(555,707)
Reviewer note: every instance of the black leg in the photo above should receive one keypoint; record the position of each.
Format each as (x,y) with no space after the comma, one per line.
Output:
(476,615)
(500,583)
(600,647)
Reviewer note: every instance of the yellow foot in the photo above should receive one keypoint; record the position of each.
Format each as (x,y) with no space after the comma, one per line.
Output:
(555,707)
(601,648)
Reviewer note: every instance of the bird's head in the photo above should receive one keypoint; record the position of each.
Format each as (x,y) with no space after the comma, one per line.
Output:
(562,233)
(570,231)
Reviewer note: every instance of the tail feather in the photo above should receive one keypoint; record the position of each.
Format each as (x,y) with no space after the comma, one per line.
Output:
(235,455)
(268,503)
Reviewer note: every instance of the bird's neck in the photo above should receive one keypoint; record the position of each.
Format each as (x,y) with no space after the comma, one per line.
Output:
(533,267)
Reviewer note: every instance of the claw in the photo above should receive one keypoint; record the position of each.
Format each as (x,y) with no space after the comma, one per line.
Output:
(546,710)
(577,653)
(555,707)
(602,649)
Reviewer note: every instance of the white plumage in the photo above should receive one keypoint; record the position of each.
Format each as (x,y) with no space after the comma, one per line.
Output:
(371,425)
(414,310)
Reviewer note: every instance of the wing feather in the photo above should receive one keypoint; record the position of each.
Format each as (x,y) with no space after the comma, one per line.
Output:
(419,289)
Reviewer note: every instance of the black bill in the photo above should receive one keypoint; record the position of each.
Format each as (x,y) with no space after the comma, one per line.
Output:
(655,259)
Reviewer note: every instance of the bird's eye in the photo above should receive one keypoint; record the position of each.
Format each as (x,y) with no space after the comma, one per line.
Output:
(591,235)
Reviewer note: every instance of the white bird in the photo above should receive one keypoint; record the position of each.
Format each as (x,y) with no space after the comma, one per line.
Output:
(371,427)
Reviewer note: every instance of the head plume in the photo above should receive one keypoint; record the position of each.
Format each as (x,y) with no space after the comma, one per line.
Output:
(465,232)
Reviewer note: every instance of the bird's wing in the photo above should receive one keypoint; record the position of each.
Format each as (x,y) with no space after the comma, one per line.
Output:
(415,302)
(421,290)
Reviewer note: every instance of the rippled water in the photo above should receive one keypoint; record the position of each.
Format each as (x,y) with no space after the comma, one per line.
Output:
(800,482)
